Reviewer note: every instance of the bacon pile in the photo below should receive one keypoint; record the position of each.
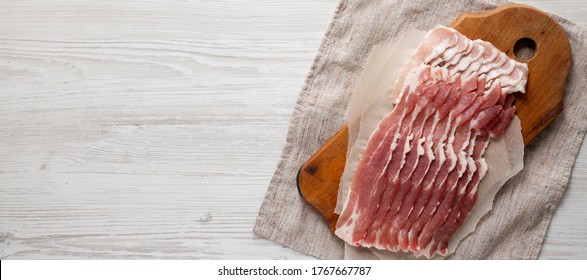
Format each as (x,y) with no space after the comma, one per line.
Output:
(417,179)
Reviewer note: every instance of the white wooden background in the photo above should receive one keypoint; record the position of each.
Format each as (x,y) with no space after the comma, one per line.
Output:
(145,129)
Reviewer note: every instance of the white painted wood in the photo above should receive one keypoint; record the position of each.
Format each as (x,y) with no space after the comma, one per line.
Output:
(146,129)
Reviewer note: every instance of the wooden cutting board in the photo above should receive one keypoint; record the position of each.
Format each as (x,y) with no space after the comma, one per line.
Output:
(514,29)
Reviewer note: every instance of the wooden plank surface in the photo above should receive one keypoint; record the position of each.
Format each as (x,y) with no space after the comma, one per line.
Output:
(148,129)
(319,177)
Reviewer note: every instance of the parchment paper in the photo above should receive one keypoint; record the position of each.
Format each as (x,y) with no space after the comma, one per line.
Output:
(371,101)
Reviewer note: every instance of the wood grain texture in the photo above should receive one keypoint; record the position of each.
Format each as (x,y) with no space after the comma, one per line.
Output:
(319,177)
(145,129)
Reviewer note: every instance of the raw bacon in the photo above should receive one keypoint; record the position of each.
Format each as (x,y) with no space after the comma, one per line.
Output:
(416,181)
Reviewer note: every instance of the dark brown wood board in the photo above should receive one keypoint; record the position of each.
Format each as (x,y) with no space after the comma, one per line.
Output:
(511,28)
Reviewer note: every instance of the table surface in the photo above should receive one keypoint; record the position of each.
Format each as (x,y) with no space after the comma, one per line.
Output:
(151,130)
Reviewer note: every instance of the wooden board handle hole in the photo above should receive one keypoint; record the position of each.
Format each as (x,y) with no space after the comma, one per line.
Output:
(524,49)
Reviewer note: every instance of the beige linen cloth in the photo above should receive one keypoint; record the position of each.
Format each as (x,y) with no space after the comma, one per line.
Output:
(516,226)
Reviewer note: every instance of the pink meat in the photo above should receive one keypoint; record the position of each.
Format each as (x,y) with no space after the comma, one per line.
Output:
(453,212)
(452,224)
(407,154)
(376,159)
(419,171)
(446,215)
(465,101)
(416,181)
